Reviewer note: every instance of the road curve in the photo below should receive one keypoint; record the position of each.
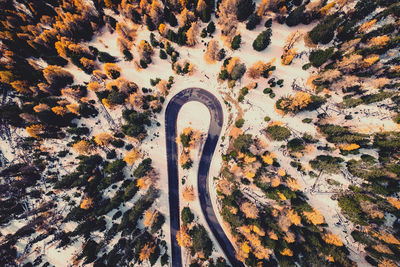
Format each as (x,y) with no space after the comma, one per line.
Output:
(216,122)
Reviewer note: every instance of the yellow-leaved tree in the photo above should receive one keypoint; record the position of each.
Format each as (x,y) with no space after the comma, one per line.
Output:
(333,239)
(103,139)
(188,193)
(314,216)
(132,156)
(34,130)
(183,238)
(146,251)
(82,147)
(86,203)
(58,110)
(249,209)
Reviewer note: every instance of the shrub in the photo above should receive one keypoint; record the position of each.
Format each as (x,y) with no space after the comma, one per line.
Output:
(263,40)
(319,57)
(201,240)
(324,31)
(278,133)
(163,55)
(268,23)
(326,163)
(244,9)
(253,21)
(115,167)
(211,27)
(238,71)
(105,57)
(186,215)
(296,16)
(127,55)
(243,142)
(143,168)
(236,42)
(295,145)
(239,123)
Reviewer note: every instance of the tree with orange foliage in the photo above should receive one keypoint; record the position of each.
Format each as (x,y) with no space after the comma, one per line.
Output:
(293,217)
(394,202)
(288,56)
(41,107)
(149,217)
(259,69)
(58,110)
(349,147)
(21,87)
(86,203)
(183,238)
(156,12)
(146,251)
(73,108)
(112,70)
(162,29)
(295,103)
(314,216)
(191,34)
(132,156)
(333,239)
(188,193)
(145,50)
(142,183)
(103,139)
(35,130)
(367,25)
(379,41)
(249,209)
(82,147)
(211,54)
(88,65)
(57,77)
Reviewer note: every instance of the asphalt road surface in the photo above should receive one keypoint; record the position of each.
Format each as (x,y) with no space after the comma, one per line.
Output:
(216,122)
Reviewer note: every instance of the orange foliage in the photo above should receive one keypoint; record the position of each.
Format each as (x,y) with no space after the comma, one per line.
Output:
(293,184)
(367,25)
(293,217)
(297,102)
(188,193)
(288,56)
(82,147)
(394,202)
(146,251)
(287,252)
(103,139)
(35,130)
(371,60)
(142,183)
(387,237)
(149,217)
(59,110)
(132,156)
(315,217)
(73,108)
(379,40)
(349,147)
(41,107)
(109,68)
(332,239)
(183,238)
(162,29)
(250,210)
(275,181)
(258,69)
(86,203)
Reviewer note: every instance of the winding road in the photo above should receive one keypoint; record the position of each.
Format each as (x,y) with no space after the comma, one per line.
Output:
(216,122)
